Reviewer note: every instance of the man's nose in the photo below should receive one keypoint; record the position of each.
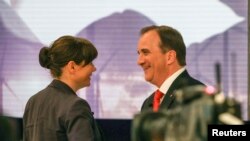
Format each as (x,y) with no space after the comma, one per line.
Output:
(140,60)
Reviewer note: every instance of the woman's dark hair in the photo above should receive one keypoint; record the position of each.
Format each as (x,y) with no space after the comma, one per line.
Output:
(65,49)
(171,39)
(149,126)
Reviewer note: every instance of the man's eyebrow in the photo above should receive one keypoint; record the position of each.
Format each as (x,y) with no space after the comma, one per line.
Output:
(144,50)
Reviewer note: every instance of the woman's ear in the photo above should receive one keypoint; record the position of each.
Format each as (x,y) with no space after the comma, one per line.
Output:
(71,66)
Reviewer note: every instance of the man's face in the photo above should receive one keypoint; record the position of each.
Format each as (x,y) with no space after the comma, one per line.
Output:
(151,58)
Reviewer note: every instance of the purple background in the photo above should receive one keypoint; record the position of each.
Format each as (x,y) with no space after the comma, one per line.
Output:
(118,87)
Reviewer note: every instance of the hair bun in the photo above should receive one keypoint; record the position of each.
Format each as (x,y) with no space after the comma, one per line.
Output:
(44,57)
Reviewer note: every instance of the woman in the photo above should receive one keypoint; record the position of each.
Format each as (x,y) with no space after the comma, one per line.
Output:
(56,113)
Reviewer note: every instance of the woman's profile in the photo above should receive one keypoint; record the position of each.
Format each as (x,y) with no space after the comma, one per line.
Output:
(56,113)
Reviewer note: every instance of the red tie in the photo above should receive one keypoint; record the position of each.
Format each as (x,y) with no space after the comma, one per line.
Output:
(157,98)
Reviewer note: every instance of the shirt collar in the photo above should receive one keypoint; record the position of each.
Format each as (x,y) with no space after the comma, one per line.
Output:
(167,83)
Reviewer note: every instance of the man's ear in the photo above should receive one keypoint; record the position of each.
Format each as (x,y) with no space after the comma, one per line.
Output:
(171,56)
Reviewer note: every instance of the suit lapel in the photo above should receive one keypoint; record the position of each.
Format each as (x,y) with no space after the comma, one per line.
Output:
(169,97)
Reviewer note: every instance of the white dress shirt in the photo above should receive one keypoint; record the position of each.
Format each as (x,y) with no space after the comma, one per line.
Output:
(168,82)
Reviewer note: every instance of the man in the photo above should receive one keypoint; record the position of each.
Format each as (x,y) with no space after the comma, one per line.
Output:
(161,54)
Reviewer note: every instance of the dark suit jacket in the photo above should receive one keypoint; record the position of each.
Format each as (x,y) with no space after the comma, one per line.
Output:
(183,80)
(57,114)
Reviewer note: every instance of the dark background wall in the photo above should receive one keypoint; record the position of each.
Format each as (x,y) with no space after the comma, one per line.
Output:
(114,130)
